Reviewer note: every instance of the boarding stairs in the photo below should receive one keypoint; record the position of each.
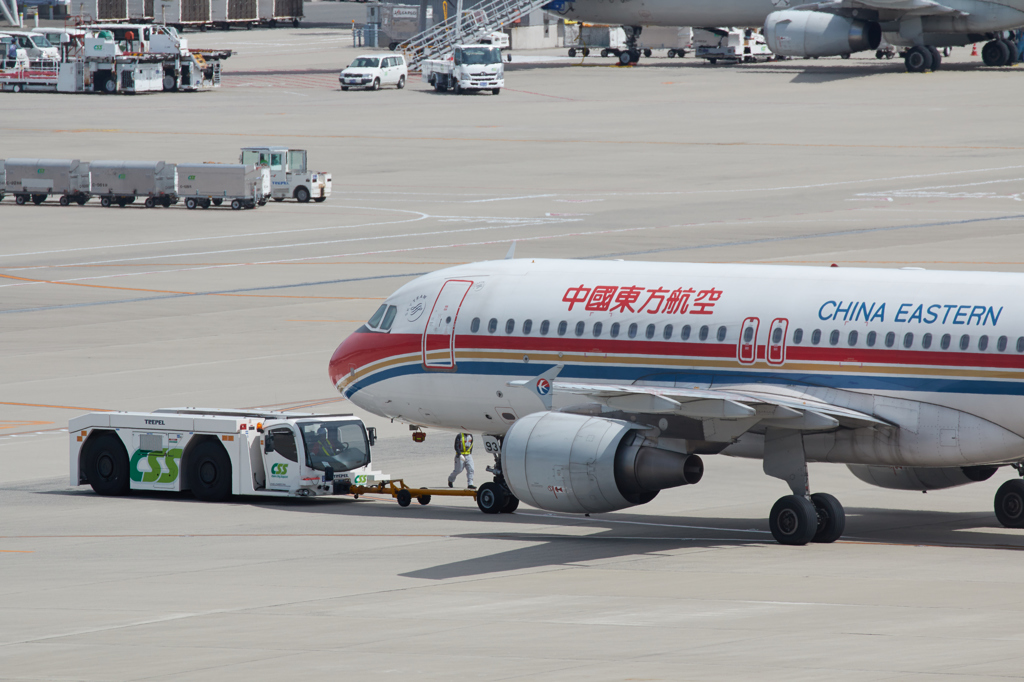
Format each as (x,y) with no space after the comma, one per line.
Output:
(465,27)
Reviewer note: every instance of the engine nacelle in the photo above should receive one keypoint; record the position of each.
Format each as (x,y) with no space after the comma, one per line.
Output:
(920,478)
(578,464)
(796,33)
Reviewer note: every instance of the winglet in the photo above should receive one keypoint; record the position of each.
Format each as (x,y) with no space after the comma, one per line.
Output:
(541,386)
(511,252)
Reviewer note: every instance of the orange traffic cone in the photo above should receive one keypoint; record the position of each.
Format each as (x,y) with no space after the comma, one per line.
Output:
(974,50)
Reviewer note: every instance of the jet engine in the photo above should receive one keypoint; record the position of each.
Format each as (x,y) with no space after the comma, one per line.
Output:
(796,33)
(580,464)
(920,478)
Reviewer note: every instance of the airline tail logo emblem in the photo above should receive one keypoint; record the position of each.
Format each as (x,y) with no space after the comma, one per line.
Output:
(543,386)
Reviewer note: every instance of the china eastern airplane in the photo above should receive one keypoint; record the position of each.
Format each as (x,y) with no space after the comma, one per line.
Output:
(798,28)
(603,383)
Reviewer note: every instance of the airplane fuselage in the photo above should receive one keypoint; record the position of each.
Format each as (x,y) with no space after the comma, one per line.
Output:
(939,354)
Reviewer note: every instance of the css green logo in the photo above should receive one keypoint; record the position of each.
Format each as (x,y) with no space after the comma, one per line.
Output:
(279,470)
(97,47)
(40,171)
(191,177)
(361,479)
(156,473)
(121,176)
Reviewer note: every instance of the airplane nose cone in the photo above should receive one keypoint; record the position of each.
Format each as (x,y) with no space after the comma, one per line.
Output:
(344,361)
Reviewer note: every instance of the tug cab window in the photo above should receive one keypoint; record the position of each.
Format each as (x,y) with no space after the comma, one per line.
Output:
(339,445)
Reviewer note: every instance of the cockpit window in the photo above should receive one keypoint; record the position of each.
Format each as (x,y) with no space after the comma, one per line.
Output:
(389,318)
(375,320)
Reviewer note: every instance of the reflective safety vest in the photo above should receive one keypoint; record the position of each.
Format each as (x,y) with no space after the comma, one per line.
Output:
(464,444)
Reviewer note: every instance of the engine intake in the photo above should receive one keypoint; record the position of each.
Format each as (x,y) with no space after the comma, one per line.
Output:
(796,33)
(920,478)
(579,464)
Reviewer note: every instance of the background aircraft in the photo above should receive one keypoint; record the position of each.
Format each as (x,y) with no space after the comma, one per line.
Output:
(828,28)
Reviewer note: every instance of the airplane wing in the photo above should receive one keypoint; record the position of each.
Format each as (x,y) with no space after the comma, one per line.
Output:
(908,7)
(748,409)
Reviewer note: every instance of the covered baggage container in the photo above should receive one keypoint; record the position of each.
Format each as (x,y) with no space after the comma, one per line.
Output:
(180,13)
(274,11)
(36,179)
(227,12)
(100,10)
(241,186)
(122,182)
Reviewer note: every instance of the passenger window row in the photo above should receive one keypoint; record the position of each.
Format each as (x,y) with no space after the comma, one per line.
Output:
(907,341)
(597,329)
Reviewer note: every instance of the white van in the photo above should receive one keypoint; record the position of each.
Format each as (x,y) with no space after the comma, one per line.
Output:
(373,71)
(36,46)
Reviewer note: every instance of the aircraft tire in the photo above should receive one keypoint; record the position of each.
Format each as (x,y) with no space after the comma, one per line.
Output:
(624,58)
(511,504)
(831,518)
(105,463)
(1010,504)
(793,520)
(918,59)
(490,498)
(936,57)
(1011,47)
(995,53)
(209,472)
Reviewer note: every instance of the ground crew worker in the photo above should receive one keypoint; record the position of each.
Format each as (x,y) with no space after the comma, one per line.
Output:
(463,459)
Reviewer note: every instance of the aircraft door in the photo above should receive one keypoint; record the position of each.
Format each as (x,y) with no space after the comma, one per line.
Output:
(776,354)
(746,351)
(281,458)
(439,334)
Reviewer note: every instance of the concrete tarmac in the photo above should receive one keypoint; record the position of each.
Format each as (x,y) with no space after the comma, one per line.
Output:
(811,162)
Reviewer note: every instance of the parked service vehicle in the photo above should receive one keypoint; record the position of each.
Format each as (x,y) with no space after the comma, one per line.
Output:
(36,45)
(469,68)
(37,179)
(217,453)
(374,71)
(498,39)
(288,175)
(241,186)
(122,182)
(731,45)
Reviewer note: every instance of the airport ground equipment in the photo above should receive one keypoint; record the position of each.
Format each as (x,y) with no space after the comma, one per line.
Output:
(216,453)
(730,45)
(123,182)
(490,497)
(36,179)
(469,68)
(289,177)
(465,27)
(182,13)
(101,10)
(374,71)
(239,186)
(228,13)
(273,12)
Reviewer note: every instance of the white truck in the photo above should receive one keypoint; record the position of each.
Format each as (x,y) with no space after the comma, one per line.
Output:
(730,45)
(469,68)
(202,184)
(217,453)
(288,174)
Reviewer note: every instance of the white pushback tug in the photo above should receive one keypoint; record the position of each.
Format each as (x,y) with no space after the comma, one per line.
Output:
(216,453)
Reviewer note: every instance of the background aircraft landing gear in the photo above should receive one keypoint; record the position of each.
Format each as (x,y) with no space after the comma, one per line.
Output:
(918,59)
(996,53)
(631,55)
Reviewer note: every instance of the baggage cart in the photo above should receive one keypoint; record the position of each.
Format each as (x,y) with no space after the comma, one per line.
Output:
(36,179)
(122,182)
(238,185)
(179,13)
(100,10)
(224,13)
(274,11)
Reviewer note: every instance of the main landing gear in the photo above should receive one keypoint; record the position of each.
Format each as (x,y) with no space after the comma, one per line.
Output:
(999,52)
(801,517)
(1010,501)
(631,55)
(921,58)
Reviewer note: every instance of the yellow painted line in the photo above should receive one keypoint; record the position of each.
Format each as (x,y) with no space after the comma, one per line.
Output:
(59,407)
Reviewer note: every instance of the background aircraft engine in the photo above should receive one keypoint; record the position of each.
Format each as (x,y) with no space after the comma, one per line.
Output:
(579,464)
(797,33)
(920,478)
